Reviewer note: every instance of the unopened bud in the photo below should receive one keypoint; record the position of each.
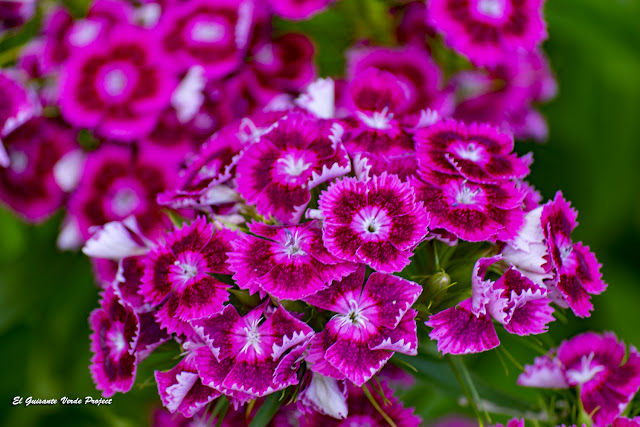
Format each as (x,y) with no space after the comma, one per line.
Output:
(437,282)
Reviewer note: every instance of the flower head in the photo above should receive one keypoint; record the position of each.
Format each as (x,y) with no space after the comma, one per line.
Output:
(288,262)
(178,274)
(116,84)
(377,222)
(371,322)
(243,353)
(115,328)
(488,31)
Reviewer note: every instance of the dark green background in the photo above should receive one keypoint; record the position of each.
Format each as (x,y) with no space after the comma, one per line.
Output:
(592,155)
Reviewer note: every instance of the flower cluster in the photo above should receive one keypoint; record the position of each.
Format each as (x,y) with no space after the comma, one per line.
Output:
(597,364)
(293,235)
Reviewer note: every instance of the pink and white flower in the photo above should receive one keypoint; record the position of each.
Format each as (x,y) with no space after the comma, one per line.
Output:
(115,328)
(28,184)
(372,322)
(288,262)
(297,154)
(116,184)
(116,85)
(377,222)
(243,353)
(480,153)
(178,274)
(213,35)
(577,271)
(488,31)
(181,388)
(594,363)
(471,211)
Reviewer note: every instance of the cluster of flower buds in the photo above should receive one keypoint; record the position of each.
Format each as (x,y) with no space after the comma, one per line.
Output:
(293,234)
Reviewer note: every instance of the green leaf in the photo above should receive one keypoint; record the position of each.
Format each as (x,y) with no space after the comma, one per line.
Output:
(267,411)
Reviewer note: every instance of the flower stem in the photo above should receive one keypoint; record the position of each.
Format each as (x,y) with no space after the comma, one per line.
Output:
(378,408)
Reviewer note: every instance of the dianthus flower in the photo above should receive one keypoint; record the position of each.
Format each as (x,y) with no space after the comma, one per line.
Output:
(377,222)
(213,35)
(15,13)
(28,184)
(418,74)
(288,262)
(516,302)
(278,171)
(372,322)
(471,211)
(488,31)
(577,272)
(18,105)
(115,328)
(116,85)
(181,389)
(179,274)
(115,184)
(243,353)
(594,363)
(478,152)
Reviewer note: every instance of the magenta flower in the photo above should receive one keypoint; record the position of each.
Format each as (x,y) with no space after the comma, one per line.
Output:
(288,262)
(28,184)
(371,322)
(15,13)
(298,153)
(363,413)
(117,84)
(214,165)
(296,10)
(577,272)
(377,222)
(458,330)
(594,363)
(516,302)
(472,211)
(213,35)
(116,184)
(181,389)
(283,64)
(479,153)
(115,328)
(180,272)
(375,90)
(505,95)
(489,31)
(18,105)
(419,76)
(243,353)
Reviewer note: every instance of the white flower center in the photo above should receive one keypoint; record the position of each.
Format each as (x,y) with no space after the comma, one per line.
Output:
(470,152)
(84,32)
(117,342)
(585,372)
(372,222)
(465,196)
(253,338)
(18,161)
(189,271)
(207,32)
(125,201)
(293,166)
(115,81)
(354,316)
(378,120)
(491,8)
(292,247)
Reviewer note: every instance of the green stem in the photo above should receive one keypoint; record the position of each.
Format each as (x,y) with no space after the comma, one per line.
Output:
(378,408)
(457,366)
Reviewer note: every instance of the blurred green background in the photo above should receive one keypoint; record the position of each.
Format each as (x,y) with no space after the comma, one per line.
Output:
(593,156)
